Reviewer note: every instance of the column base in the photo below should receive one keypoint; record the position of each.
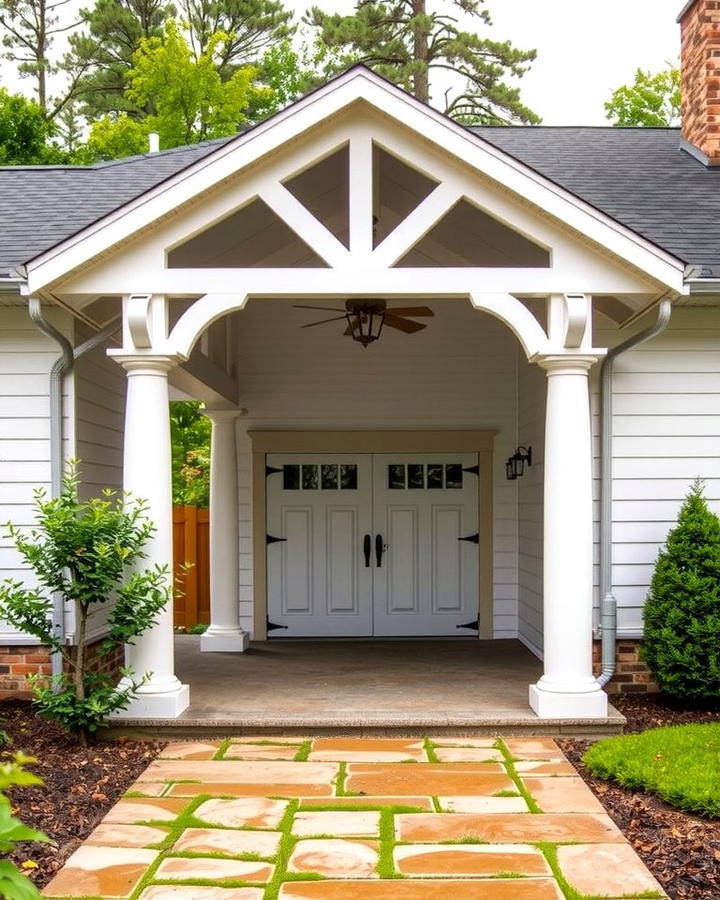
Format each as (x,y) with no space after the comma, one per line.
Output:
(551,705)
(156,706)
(224,642)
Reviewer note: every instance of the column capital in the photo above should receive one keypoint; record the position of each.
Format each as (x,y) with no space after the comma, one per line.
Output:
(139,362)
(570,363)
(224,414)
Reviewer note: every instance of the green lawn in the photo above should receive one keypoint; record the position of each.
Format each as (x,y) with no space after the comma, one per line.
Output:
(680,764)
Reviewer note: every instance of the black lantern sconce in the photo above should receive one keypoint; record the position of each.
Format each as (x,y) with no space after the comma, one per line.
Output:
(365,320)
(515,466)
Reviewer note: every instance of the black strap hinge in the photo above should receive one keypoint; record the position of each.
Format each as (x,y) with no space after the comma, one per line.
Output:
(270,539)
(472,470)
(273,626)
(471,539)
(475,626)
(270,470)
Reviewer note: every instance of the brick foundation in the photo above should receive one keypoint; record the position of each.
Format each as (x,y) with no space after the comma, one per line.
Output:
(19,661)
(631,674)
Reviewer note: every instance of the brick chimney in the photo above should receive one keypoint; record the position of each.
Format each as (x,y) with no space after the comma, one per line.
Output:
(700,63)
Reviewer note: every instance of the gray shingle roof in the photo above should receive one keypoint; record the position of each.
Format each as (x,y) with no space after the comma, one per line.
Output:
(639,176)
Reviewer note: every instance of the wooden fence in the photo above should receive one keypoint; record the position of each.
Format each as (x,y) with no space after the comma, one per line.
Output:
(191,555)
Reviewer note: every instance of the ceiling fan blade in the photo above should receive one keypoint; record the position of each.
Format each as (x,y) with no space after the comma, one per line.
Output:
(348,331)
(322,322)
(406,325)
(411,311)
(321,308)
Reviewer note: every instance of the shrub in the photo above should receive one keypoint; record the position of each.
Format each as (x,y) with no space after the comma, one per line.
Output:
(84,551)
(14,885)
(682,613)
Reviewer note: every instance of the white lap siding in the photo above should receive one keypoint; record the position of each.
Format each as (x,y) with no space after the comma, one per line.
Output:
(26,356)
(666,428)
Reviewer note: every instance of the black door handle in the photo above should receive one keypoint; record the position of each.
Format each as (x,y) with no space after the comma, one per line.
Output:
(367,549)
(379,548)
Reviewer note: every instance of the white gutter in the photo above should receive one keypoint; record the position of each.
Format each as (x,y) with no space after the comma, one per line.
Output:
(62,366)
(608,603)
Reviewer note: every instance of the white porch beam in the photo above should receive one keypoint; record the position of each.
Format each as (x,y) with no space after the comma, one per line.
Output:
(359,279)
(416,225)
(224,634)
(568,689)
(304,224)
(147,476)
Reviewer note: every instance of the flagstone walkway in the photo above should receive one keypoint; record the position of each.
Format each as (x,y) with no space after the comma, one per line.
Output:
(357,819)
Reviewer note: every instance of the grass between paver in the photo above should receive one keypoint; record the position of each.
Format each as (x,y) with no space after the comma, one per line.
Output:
(681,764)
(386,839)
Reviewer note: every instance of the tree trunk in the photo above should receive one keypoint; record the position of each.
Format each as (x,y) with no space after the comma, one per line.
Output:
(421,79)
(80,662)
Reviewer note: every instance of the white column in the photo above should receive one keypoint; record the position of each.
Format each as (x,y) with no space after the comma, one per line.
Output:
(147,475)
(224,634)
(567,688)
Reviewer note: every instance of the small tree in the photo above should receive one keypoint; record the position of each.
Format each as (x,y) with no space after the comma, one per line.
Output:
(84,552)
(682,611)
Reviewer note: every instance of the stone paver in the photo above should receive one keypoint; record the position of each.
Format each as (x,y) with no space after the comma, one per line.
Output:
(459,827)
(335,858)
(195,892)
(501,828)
(109,835)
(258,812)
(368,750)
(101,871)
(500,889)
(472,859)
(340,823)
(605,869)
(466,779)
(209,869)
(228,841)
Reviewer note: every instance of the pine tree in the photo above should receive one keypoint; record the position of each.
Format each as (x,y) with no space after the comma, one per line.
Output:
(682,612)
(404,42)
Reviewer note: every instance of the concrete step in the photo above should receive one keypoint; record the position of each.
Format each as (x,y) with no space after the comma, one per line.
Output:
(356,725)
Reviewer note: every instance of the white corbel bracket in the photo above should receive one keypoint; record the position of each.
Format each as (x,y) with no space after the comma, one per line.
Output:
(138,320)
(577,309)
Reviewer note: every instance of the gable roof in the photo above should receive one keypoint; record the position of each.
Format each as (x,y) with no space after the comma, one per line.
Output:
(639,177)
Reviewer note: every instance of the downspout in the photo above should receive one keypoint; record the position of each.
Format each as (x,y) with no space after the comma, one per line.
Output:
(608,603)
(62,366)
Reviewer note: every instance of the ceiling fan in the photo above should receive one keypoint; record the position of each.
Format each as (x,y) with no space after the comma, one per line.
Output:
(366,318)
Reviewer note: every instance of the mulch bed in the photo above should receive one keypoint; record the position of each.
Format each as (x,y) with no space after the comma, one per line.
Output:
(681,850)
(81,784)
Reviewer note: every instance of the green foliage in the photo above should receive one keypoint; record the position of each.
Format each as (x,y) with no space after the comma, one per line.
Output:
(290,72)
(653,99)
(406,43)
(88,553)
(190,440)
(14,885)
(113,137)
(25,134)
(681,642)
(680,764)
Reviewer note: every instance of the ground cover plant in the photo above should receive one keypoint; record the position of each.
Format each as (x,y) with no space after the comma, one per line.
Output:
(681,642)
(13,884)
(88,554)
(681,764)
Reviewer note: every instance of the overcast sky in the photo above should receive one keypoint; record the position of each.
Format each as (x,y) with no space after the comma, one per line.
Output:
(585,49)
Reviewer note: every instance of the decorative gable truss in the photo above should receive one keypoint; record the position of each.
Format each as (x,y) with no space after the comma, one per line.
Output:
(381,197)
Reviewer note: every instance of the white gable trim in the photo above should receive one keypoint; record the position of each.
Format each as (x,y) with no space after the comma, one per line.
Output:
(358,85)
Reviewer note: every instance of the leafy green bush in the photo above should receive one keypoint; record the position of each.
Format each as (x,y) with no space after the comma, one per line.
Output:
(84,551)
(681,642)
(681,764)
(13,884)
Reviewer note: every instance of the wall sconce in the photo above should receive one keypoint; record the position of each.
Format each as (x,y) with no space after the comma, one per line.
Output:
(515,466)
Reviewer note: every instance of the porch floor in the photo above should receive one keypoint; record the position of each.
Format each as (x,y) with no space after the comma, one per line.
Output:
(391,687)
